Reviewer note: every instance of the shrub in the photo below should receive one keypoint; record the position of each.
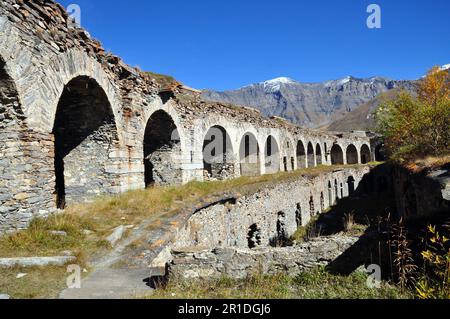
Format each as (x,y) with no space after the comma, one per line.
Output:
(416,127)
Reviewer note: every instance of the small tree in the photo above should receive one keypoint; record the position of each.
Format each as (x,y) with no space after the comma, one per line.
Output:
(418,126)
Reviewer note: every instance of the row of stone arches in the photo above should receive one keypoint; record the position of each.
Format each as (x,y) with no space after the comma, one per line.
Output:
(85,135)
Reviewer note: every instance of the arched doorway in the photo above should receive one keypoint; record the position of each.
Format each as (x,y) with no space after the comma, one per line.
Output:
(162,151)
(272,155)
(249,155)
(365,154)
(311,159)
(301,155)
(85,133)
(319,155)
(218,156)
(337,155)
(352,155)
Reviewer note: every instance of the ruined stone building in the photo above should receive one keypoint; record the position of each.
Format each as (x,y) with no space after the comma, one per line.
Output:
(76,122)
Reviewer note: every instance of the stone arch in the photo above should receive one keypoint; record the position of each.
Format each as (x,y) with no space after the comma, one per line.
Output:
(249,155)
(352,154)
(337,155)
(301,155)
(319,154)
(272,155)
(162,151)
(218,154)
(311,156)
(365,154)
(85,133)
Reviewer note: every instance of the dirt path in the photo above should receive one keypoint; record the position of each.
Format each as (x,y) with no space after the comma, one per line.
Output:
(124,272)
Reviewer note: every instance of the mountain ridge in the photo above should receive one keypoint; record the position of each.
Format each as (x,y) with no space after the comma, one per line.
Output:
(314,105)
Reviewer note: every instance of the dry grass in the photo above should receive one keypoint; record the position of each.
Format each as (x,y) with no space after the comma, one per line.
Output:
(348,221)
(39,283)
(314,284)
(430,162)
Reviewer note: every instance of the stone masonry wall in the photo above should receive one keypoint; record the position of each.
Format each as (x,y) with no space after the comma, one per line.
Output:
(287,205)
(41,55)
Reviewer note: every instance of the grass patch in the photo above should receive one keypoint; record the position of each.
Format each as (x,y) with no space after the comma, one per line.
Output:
(39,283)
(314,284)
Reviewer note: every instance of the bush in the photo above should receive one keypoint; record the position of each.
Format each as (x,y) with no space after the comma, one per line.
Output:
(415,127)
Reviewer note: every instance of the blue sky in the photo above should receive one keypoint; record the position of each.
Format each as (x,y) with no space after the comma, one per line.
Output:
(228,44)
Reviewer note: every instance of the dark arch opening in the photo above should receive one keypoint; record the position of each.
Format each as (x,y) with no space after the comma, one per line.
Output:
(351,185)
(301,155)
(218,158)
(319,155)
(365,154)
(330,194)
(162,151)
(322,202)
(380,153)
(249,155)
(311,160)
(352,155)
(312,210)
(272,155)
(298,216)
(336,190)
(85,133)
(282,235)
(254,236)
(337,155)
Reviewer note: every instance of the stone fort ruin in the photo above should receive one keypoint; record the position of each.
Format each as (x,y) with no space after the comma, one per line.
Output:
(76,122)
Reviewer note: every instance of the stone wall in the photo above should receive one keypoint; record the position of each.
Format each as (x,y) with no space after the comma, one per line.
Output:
(49,66)
(260,219)
(422,194)
(242,263)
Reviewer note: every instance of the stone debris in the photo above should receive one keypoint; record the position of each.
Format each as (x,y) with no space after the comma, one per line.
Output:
(116,235)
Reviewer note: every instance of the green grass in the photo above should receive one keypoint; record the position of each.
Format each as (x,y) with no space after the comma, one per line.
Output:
(314,284)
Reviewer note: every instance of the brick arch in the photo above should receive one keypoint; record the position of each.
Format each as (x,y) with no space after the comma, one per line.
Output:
(366,154)
(352,154)
(42,80)
(311,155)
(85,133)
(272,155)
(301,154)
(218,154)
(250,155)
(337,155)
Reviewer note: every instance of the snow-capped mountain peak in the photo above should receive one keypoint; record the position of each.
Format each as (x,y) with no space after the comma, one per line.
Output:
(274,85)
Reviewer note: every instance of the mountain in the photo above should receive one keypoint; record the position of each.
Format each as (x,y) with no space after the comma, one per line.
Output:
(361,119)
(312,105)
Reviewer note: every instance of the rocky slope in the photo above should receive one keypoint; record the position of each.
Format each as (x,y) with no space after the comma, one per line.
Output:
(310,104)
